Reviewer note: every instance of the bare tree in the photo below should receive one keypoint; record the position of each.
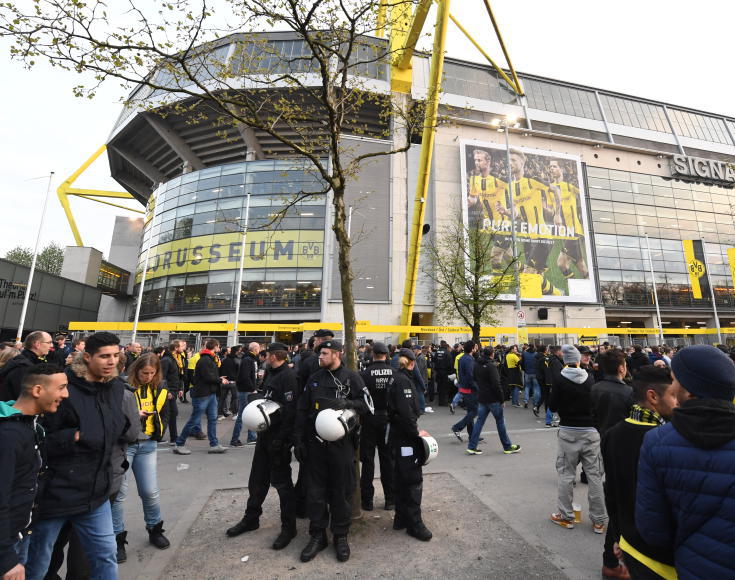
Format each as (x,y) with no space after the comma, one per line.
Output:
(306,97)
(470,268)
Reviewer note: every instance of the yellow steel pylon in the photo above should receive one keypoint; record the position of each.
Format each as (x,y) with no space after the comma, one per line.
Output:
(65,190)
(405,31)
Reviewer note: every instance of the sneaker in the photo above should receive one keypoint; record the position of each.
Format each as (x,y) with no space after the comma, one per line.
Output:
(473,452)
(451,408)
(516,405)
(560,520)
(234,417)
(458,435)
(181,450)
(220,417)
(525,405)
(535,411)
(217,449)
(512,449)
(251,442)
(548,425)
(201,436)
(172,443)
(237,443)
(598,528)
(428,410)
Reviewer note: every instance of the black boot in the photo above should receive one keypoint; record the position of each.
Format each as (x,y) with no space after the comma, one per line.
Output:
(244,525)
(121,540)
(367,505)
(341,547)
(156,537)
(287,534)
(316,544)
(420,532)
(389,504)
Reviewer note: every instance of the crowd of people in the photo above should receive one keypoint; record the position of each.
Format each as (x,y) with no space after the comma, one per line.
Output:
(653,429)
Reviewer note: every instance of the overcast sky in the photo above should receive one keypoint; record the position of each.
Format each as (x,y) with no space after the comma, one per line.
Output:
(673,51)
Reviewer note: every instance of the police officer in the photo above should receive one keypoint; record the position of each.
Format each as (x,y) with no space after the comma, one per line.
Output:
(443,367)
(272,458)
(309,365)
(377,375)
(408,449)
(329,465)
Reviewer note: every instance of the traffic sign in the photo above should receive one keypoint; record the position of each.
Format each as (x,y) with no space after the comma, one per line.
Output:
(521,315)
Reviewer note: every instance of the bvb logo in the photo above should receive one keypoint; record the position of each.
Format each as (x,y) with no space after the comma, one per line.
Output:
(696,268)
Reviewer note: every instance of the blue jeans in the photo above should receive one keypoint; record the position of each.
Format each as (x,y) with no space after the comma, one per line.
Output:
(201,405)
(533,389)
(422,399)
(483,411)
(470,400)
(142,457)
(95,533)
(242,402)
(515,396)
(457,399)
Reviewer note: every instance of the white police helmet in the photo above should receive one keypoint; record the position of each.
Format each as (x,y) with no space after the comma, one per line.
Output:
(431,448)
(333,424)
(258,415)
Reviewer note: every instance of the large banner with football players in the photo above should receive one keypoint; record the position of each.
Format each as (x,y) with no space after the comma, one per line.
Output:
(551,222)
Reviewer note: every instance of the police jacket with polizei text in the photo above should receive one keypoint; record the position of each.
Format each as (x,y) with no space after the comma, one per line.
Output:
(247,374)
(21,461)
(377,376)
(403,403)
(443,360)
(79,473)
(206,376)
(323,390)
(281,385)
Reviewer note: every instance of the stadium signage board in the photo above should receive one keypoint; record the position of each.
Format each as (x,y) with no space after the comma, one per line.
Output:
(705,170)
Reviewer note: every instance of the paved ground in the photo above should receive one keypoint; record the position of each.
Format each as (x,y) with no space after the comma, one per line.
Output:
(494,507)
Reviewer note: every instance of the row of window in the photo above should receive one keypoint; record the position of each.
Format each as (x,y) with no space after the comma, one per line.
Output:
(670,293)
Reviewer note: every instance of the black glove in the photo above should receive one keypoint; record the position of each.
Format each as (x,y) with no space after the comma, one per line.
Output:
(299,450)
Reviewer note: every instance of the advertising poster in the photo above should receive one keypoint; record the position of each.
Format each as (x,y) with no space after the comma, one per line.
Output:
(551,222)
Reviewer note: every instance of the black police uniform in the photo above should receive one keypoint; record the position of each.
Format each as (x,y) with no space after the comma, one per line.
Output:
(408,451)
(272,457)
(377,375)
(329,465)
(443,367)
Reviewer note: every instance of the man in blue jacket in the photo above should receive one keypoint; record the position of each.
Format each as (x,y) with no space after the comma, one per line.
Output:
(685,498)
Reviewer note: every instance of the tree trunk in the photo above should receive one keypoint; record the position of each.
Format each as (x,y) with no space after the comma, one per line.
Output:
(476,333)
(346,276)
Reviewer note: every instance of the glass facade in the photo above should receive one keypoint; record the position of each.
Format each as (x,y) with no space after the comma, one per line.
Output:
(562,99)
(627,205)
(195,239)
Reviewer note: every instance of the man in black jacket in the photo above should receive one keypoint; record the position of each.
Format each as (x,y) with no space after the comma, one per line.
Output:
(310,364)
(173,376)
(329,466)
(42,390)
(490,400)
(377,375)
(229,370)
(638,359)
(204,398)
(611,397)
(655,401)
(247,384)
(554,366)
(611,403)
(443,367)
(579,442)
(35,349)
(408,448)
(80,438)
(272,458)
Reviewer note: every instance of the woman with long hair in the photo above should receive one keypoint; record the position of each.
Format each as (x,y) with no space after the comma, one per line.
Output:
(6,354)
(151,397)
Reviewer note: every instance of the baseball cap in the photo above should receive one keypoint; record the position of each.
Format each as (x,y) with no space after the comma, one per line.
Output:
(324,332)
(408,353)
(380,348)
(331,344)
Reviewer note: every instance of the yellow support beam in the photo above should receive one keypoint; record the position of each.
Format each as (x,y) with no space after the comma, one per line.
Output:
(519,88)
(65,190)
(400,17)
(424,173)
(402,58)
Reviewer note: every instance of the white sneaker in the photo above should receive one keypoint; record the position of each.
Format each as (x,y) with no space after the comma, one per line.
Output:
(181,450)
(428,410)
(220,418)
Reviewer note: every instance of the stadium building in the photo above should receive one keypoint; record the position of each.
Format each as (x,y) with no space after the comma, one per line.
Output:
(619,179)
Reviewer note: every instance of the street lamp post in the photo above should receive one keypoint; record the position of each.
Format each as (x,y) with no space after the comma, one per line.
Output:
(238,288)
(504,126)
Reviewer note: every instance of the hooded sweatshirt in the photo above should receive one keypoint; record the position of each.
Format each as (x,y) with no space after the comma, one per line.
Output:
(571,397)
(20,459)
(685,497)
